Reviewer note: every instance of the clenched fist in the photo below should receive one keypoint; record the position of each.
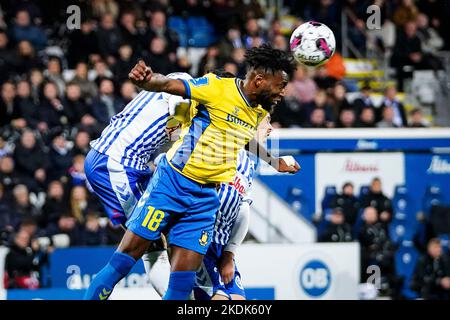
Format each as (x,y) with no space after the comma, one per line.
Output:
(140,73)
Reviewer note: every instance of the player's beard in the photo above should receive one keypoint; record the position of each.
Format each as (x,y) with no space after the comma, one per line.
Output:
(266,101)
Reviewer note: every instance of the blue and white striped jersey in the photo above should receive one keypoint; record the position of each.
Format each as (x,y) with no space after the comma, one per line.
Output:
(135,133)
(232,195)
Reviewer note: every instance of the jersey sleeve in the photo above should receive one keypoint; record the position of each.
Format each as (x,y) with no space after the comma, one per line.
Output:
(207,89)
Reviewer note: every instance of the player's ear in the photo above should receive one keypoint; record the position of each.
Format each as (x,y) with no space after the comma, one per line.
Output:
(259,79)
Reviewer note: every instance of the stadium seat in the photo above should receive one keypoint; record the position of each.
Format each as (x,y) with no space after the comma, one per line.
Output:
(445,242)
(363,190)
(403,205)
(201,32)
(330,192)
(299,203)
(179,25)
(433,196)
(405,262)
(402,230)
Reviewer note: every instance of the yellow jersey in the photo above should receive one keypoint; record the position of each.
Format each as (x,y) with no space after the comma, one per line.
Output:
(221,124)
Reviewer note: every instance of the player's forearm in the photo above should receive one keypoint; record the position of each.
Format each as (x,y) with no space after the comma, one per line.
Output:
(240,228)
(160,83)
(262,153)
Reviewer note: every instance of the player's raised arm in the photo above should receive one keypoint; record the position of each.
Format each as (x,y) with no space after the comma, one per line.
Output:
(281,164)
(142,76)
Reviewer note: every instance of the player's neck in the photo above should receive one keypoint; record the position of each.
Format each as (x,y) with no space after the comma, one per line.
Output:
(246,88)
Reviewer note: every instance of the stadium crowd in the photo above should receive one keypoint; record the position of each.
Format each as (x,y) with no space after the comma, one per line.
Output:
(60,87)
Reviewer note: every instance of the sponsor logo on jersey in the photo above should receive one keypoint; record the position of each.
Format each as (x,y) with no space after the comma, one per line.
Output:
(240,122)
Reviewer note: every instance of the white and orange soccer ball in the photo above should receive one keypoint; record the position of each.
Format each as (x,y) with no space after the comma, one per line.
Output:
(312,43)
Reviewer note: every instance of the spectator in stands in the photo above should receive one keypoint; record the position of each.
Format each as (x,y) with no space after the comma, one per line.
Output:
(75,174)
(405,12)
(109,37)
(388,119)
(22,208)
(75,104)
(337,99)
(81,146)
(158,29)
(348,203)
(125,62)
(376,198)
(305,88)
(417,119)
(129,32)
(322,79)
(67,225)
(210,61)
(320,101)
(347,118)
(55,204)
(290,112)
(157,56)
(238,57)
(107,104)
(79,204)
(31,161)
(54,73)
(231,41)
(101,71)
(377,250)
(317,119)
(59,156)
(127,92)
(5,148)
(101,8)
(335,67)
(24,30)
(9,107)
(280,42)
(93,234)
(429,37)
(9,176)
(431,277)
(364,100)
(25,59)
(88,88)
(37,84)
(6,224)
(53,113)
(408,52)
(390,100)
(6,57)
(366,118)
(338,230)
(83,43)
(22,263)
(28,109)
(253,33)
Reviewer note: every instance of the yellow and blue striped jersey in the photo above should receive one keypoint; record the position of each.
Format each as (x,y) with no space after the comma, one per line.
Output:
(222,123)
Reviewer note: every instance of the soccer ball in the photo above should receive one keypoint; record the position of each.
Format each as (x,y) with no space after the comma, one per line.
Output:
(312,43)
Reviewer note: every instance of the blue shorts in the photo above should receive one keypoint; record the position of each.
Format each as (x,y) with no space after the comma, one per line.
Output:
(208,281)
(178,205)
(119,188)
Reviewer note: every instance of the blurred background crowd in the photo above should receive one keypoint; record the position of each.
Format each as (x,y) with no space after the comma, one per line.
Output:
(60,87)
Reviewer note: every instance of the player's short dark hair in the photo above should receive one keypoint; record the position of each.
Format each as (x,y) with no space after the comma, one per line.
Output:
(270,59)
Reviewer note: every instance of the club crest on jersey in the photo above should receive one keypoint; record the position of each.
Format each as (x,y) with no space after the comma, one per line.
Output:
(204,239)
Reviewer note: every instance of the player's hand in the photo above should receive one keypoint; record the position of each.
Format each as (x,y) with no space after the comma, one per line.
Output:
(284,167)
(226,267)
(140,73)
